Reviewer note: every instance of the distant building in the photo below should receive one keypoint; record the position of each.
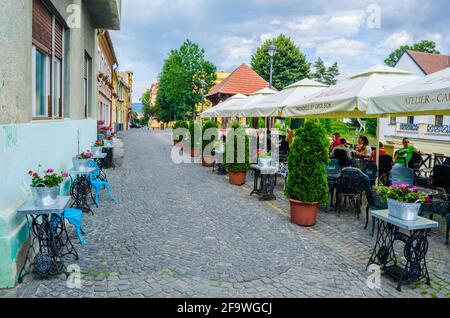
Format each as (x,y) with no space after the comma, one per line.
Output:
(107,61)
(122,102)
(154,93)
(430,134)
(243,80)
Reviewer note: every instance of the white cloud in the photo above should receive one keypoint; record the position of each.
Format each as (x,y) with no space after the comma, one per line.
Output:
(393,42)
(341,48)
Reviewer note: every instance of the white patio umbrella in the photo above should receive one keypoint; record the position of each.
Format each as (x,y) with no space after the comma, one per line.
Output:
(214,112)
(240,108)
(349,98)
(271,106)
(429,95)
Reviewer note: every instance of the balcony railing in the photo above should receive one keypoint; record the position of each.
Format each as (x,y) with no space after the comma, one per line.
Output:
(438,130)
(408,127)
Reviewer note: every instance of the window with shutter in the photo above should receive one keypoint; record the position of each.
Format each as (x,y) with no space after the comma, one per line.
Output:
(42,25)
(47,38)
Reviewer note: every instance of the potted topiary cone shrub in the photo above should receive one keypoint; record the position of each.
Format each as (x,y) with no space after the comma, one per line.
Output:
(208,158)
(179,124)
(237,170)
(195,131)
(307,184)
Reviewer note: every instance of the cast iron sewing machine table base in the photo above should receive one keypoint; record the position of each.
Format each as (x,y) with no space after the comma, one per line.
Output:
(415,250)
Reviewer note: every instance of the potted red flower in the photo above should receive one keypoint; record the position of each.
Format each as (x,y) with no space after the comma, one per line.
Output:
(81,161)
(45,189)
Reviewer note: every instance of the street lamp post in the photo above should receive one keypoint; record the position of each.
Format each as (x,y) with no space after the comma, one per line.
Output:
(271,50)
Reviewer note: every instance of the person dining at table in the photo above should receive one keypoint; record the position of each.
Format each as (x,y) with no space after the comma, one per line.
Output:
(342,146)
(363,148)
(336,140)
(403,156)
(381,152)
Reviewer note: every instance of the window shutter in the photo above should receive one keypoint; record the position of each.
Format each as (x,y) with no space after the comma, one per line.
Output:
(42,27)
(58,40)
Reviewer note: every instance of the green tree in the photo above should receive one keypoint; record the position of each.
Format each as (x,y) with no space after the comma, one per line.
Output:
(371,126)
(146,105)
(325,75)
(185,77)
(308,158)
(423,46)
(289,64)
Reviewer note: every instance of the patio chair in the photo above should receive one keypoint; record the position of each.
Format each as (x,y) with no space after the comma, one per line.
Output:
(446,162)
(373,204)
(333,171)
(97,183)
(416,161)
(401,175)
(385,168)
(341,156)
(74,217)
(441,206)
(441,177)
(371,171)
(350,186)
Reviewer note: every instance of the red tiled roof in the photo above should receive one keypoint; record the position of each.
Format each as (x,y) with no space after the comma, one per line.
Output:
(243,80)
(430,63)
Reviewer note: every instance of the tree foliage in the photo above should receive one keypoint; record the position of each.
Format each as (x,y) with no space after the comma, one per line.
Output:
(186,75)
(147,105)
(235,137)
(308,158)
(423,46)
(209,124)
(289,64)
(325,75)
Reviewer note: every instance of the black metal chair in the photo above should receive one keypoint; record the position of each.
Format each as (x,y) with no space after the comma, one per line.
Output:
(385,168)
(441,177)
(333,171)
(441,206)
(446,162)
(350,185)
(341,156)
(371,171)
(416,161)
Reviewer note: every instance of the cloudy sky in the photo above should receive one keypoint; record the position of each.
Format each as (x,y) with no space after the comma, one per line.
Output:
(348,32)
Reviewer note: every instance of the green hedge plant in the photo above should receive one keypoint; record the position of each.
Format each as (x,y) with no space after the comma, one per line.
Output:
(308,158)
(234,165)
(208,124)
(195,126)
(178,125)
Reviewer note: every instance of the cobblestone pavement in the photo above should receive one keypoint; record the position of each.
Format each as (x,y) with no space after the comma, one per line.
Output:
(181,231)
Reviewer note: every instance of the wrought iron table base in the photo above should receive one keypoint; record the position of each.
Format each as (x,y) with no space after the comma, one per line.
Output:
(52,237)
(415,250)
(265,187)
(80,191)
(220,168)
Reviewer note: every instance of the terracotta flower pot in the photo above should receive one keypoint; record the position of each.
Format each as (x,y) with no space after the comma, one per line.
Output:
(175,142)
(303,214)
(237,177)
(193,152)
(207,161)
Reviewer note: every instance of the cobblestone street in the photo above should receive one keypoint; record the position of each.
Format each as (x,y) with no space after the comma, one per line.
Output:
(182,231)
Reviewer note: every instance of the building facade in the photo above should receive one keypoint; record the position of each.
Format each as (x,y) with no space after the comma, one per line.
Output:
(122,100)
(48,100)
(107,63)
(431,134)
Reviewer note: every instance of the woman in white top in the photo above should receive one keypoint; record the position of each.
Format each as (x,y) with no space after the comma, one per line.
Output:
(363,148)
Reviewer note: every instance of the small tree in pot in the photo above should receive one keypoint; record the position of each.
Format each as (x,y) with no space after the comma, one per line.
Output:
(307,184)
(195,131)
(208,138)
(237,168)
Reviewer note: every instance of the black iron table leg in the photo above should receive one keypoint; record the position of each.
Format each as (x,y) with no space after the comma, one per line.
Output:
(80,191)
(257,185)
(268,185)
(415,250)
(50,232)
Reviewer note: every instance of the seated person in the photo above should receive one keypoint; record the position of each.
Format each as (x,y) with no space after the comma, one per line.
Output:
(382,151)
(363,149)
(342,146)
(404,155)
(336,140)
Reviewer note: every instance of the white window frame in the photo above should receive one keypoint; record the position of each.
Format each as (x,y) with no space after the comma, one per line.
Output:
(46,82)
